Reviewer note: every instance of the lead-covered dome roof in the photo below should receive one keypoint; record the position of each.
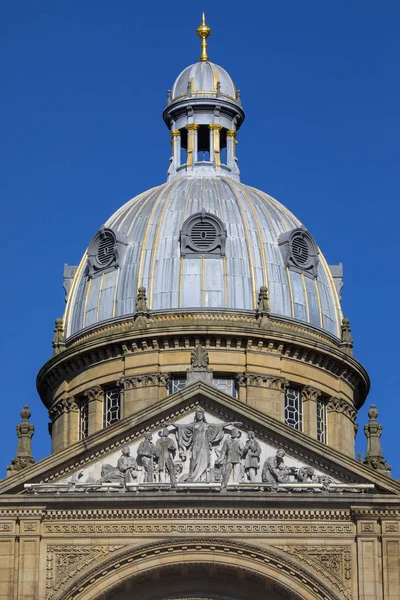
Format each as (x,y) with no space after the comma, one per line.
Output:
(204,77)
(150,240)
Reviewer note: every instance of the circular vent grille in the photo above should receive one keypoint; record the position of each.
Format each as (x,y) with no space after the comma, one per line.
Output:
(203,235)
(105,249)
(300,250)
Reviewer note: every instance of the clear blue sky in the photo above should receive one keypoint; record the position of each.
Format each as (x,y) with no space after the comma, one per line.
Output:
(83,88)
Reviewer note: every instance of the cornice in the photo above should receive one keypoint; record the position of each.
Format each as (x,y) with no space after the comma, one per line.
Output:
(227,331)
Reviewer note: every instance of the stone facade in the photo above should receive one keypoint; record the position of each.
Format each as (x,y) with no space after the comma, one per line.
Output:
(207,452)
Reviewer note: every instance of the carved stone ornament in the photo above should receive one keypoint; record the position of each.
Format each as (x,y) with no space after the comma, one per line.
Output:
(373,432)
(65,405)
(95,393)
(204,449)
(58,339)
(23,457)
(65,561)
(142,312)
(158,379)
(268,381)
(341,406)
(263,308)
(199,369)
(310,394)
(345,337)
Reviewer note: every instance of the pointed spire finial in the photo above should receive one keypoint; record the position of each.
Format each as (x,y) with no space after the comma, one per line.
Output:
(373,432)
(23,457)
(203,31)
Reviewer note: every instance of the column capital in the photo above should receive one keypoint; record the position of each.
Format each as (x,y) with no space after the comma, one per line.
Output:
(231,133)
(310,393)
(192,126)
(175,133)
(94,393)
(215,126)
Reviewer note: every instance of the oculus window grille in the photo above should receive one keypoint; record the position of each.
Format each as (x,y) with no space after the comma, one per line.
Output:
(226,384)
(321,421)
(299,251)
(203,234)
(293,408)
(176,383)
(83,418)
(104,252)
(111,407)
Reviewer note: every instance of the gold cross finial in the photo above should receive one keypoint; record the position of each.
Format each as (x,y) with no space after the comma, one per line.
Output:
(203,31)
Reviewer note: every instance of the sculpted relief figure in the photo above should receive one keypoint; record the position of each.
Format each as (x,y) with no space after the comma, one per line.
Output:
(199,437)
(166,449)
(251,454)
(125,471)
(230,457)
(274,470)
(147,455)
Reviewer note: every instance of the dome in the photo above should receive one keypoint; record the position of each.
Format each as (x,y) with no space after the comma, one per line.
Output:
(147,234)
(204,78)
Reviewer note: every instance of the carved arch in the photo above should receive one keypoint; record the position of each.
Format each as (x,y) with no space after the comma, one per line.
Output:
(269,564)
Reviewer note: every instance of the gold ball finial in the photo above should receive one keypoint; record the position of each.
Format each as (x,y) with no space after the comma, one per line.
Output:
(203,31)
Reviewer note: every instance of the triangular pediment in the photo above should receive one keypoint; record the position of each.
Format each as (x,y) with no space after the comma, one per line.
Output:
(305,460)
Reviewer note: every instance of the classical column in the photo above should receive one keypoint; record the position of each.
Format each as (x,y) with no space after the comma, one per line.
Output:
(176,147)
(216,144)
(310,397)
(95,398)
(191,143)
(230,148)
(341,416)
(73,420)
(264,392)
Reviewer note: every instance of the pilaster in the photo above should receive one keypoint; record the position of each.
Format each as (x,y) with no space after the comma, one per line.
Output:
(95,398)
(341,416)
(140,391)
(310,397)
(263,392)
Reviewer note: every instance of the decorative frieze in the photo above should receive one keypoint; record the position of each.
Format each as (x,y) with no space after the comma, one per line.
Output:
(257,380)
(157,379)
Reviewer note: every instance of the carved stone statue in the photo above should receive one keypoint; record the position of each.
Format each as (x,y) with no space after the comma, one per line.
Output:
(125,471)
(146,457)
(166,450)
(230,457)
(274,470)
(199,437)
(251,453)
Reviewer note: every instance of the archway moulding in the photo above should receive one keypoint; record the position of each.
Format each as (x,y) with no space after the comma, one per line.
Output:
(304,581)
